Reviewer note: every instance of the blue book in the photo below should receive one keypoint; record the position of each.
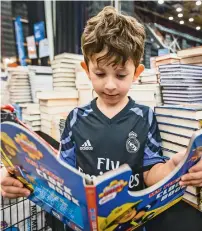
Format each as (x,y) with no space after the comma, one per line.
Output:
(104,203)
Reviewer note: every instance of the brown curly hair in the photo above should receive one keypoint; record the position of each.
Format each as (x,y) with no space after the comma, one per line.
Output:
(122,35)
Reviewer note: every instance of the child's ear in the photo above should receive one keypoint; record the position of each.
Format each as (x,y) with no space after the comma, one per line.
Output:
(85,67)
(138,71)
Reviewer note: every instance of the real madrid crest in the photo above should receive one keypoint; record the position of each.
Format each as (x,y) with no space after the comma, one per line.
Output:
(132,143)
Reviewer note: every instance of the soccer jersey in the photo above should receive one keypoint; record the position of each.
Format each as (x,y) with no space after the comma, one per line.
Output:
(94,144)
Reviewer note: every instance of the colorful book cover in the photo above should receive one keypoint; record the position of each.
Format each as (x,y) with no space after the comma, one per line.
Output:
(105,204)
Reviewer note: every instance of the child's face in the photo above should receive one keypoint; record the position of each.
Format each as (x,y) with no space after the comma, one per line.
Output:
(111,83)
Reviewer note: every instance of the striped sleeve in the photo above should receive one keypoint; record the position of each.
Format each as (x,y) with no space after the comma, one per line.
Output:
(152,151)
(67,144)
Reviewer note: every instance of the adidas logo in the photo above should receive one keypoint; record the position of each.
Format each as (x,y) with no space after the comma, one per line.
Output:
(86,146)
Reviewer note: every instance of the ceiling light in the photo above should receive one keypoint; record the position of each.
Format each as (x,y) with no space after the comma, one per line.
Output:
(198,3)
(170,18)
(180,15)
(198,28)
(179,9)
(181,22)
(160,1)
(191,19)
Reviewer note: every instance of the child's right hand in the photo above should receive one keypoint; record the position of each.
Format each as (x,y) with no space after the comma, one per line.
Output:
(11,187)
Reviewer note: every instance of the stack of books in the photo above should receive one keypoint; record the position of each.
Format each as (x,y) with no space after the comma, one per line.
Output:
(62,125)
(31,116)
(193,196)
(64,75)
(148,76)
(4,97)
(53,105)
(191,56)
(146,94)
(177,124)
(19,85)
(172,58)
(181,84)
(41,79)
(84,86)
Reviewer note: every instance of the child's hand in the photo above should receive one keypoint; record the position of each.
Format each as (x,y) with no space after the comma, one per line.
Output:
(194,177)
(11,187)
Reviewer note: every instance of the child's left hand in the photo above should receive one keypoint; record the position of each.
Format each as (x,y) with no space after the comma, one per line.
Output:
(194,177)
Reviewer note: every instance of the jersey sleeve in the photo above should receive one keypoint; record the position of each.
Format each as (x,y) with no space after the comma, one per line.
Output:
(152,151)
(67,144)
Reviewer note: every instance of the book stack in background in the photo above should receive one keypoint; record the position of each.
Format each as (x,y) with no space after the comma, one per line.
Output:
(40,80)
(4,89)
(64,71)
(19,85)
(31,116)
(53,106)
(146,94)
(177,124)
(181,84)
(172,58)
(84,86)
(193,196)
(191,56)
(148,76)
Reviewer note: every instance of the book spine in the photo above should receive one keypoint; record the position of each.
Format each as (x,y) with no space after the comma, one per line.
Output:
(92,207)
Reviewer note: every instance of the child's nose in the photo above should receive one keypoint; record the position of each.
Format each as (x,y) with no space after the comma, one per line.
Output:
(110,84)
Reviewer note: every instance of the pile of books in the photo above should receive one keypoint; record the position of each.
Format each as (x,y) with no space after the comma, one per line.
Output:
(4,97)
(177,124)
(64,71)
(40,80)
(193,196)
(31,116)
(53,105)
(19,85)
(148,76)
(181,84)
(146,94)
(191,56)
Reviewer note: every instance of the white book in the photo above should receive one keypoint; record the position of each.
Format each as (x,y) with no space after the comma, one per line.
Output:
(178,130)
(63,65)
(190,123)
(31,117)
(183,95)
(191,198)
(185,103)
(172,146)
(64,84)
(191,112)
(58,95)
(63,75)
(64,88)
(66,61)
(46,130)
(55,110)
(70,56)
(65,79)
(181,84)
(63,70)
(188,92)
(46,123)
(180,99)
(193,190)
(33,123)
(60,102)
(183,140)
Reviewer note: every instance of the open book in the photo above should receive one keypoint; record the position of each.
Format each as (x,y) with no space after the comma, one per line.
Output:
(102,204)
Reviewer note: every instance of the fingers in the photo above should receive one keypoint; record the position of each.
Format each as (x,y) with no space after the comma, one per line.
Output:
(11,196)
(15,190)
(196,183)
(197,167)
(10,181)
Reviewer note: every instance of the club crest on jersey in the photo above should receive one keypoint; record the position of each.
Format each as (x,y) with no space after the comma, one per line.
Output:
(132,143)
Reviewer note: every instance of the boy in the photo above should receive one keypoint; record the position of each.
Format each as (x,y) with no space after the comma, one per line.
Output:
(113,129)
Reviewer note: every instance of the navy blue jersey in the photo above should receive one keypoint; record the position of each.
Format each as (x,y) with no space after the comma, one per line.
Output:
(94,144)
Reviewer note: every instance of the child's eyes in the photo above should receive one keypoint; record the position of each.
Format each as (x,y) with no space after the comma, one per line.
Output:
(100,74)
(121,76)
